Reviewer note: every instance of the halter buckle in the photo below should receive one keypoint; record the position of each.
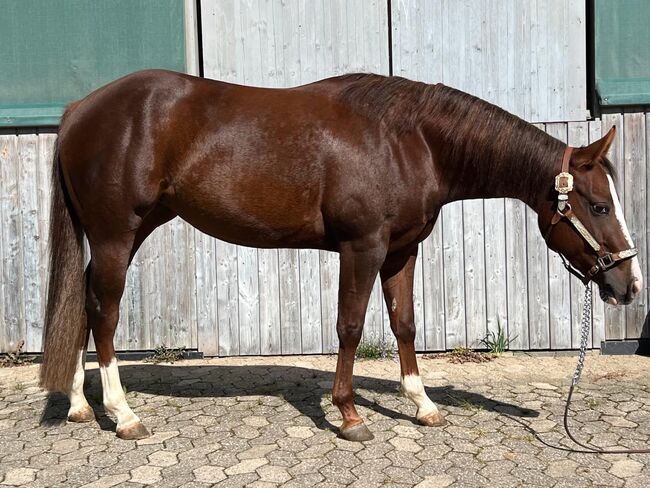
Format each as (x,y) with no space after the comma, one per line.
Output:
(564,183)
(606,261)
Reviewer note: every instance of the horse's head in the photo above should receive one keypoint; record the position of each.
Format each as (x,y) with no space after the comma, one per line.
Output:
(602,250)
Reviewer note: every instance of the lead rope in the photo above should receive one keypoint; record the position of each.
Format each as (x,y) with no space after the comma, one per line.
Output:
(584,336)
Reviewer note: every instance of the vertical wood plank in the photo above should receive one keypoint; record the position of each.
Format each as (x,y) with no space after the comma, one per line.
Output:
(28,190)
(329,282)
(453,255)
(517,276)
(474,262)
(206,293)
(495,265)
(290,302)
(635,209)
(310,312)
(269,283)
(538,304)
(249,301)
(615,316)
(373,325)
(559,278)
(598,306)
(577,136)
(434,289)
(227,299)
(47,141)
(12,246)
(418,301)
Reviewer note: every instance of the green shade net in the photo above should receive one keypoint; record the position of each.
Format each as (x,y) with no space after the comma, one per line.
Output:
(623,51)
(55,51)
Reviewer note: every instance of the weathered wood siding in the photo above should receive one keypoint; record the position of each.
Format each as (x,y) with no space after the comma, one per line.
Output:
(484,264)
(528,57)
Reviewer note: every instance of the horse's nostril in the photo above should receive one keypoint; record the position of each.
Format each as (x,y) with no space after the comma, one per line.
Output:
(636,286)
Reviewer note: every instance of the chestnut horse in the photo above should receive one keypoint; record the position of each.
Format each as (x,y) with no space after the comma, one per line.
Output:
(358,164)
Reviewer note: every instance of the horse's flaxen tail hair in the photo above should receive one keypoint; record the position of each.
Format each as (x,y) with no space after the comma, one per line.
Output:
(64,331)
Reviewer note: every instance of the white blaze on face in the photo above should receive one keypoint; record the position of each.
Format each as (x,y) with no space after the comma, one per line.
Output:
(114,399)
(78,401)
(413,389)
(618,212)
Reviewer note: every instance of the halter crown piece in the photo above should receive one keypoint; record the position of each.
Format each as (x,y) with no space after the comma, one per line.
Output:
(605,260)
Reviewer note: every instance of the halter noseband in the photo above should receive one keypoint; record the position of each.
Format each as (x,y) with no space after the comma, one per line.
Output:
(605,260)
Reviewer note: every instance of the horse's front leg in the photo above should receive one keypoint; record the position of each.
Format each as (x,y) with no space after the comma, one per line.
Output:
(360,263)
(397,284)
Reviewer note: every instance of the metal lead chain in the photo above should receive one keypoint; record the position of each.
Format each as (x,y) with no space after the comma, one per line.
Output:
(585,326)
(584,336)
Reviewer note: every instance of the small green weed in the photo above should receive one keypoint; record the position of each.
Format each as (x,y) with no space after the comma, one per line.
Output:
(465,403)
(163,354)
(16,357)
(497,342)
(592,403)
(375,349)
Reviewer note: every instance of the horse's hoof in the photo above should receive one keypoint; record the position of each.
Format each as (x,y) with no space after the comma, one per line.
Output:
(357,433)
(434,419)
(133,432)
(84,414)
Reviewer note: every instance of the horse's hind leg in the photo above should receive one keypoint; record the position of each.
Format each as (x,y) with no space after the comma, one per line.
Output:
(360,263)
(108,266)
(80,410)
(397,283)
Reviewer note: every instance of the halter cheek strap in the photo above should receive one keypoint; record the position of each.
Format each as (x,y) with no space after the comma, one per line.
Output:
(605,260)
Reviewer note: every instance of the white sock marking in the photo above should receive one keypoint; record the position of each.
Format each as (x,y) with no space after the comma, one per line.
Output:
(413,389)
(618,212)
(114,399)
(77,398)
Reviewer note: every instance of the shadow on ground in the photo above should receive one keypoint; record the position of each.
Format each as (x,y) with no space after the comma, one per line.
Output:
(303,388)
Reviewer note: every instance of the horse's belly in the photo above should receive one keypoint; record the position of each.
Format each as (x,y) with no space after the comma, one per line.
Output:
(270,227)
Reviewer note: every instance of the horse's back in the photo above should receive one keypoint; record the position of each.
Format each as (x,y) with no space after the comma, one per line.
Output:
(254,166)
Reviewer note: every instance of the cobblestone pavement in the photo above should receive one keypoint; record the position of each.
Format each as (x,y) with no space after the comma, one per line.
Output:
(266,422)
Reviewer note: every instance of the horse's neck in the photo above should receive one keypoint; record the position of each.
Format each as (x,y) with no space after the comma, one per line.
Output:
(512,171)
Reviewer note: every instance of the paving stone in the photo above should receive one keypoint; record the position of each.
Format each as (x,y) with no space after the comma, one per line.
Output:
(273,474)
(209,474)
(146,475)
(440,481)
(626,468)
(163,458)
(246,466)
(405,444)
(299,432)
(264,422)
(19,476)
(107,481)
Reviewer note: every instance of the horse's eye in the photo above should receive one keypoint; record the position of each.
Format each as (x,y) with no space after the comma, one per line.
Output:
(600,209)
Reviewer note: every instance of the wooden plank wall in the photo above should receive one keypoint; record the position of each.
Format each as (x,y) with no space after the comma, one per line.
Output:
(528,57)
(187,289)
(484,264)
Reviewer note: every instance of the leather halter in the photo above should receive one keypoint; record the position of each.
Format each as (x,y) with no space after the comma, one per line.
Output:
(605,260)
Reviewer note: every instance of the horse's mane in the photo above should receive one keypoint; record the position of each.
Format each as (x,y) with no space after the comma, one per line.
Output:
(476,131)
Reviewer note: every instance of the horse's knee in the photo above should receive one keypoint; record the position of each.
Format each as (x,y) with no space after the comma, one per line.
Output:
(349,332)
(405,330)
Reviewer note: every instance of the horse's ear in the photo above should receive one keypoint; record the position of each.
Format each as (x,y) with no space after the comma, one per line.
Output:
(593,151)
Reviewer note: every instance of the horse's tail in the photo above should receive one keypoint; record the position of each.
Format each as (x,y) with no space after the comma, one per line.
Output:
(64,332)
